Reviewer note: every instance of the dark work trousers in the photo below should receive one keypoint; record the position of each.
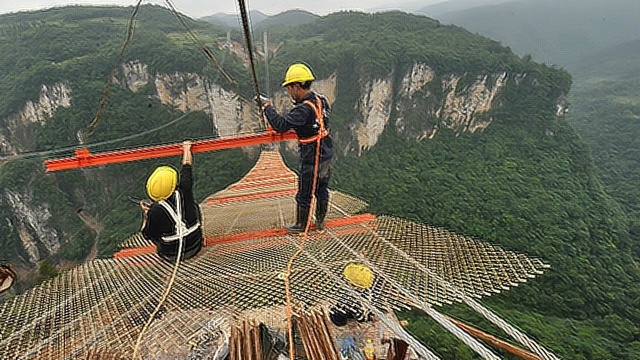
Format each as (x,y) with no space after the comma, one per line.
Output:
(305,182)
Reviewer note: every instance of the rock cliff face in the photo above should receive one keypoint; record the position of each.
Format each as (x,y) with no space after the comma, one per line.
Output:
(374,109)
(445,105)
(191,92)
(134,75)
(419,106)
(29,221)
(19,127)
(461,105)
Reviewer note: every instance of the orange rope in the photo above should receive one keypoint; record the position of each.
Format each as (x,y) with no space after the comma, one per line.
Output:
(287,283)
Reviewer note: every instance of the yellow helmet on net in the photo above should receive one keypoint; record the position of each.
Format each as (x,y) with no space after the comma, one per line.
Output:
(359,275)
(298,73)
(162,182)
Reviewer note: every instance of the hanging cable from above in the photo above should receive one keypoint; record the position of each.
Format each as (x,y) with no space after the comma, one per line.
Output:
(247,37)
(207,52)
(83,136)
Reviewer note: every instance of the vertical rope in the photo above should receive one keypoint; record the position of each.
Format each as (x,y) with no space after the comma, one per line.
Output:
(287,274)
(91,128)
(247,38)
(161,302)
(207,52)
(180,231)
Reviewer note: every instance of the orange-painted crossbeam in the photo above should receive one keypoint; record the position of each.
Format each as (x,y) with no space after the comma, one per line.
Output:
(339,227)
(253,196)
(84,158)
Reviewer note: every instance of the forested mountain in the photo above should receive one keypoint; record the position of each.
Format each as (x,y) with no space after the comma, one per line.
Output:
(606,112)
(432,123)
(598,42)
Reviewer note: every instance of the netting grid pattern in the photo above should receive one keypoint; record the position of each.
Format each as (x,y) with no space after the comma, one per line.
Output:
(103,304)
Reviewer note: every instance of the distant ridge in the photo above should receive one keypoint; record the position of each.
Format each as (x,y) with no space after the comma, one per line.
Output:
(232,20)
(556,32)
(260,20)
(456,5)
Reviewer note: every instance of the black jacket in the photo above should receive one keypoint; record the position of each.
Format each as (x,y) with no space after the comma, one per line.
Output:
(302,119)
(160,224)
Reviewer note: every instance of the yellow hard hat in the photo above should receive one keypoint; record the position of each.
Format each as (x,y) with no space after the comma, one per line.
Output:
(359,275)
(162,182)
(298,73)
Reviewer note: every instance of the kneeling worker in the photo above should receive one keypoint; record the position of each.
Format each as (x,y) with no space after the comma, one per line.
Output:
(174,215)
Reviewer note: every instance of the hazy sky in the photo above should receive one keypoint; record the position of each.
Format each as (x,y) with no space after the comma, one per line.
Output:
(199,8)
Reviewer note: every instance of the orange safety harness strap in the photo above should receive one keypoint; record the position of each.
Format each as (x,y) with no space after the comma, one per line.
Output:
(323,131)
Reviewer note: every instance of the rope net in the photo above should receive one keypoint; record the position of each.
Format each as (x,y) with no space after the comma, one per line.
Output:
(98,309)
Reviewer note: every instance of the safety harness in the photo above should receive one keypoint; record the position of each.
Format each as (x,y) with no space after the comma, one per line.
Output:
(182,231)
(323,131)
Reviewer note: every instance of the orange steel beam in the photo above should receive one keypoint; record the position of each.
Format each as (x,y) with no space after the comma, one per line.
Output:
(335,224)
(273,232)
(253,196)
(84,158)
(263,184)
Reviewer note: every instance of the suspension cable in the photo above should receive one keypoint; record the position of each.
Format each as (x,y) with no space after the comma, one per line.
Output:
(207,52)
(45,153)
(83,136)
(247,37)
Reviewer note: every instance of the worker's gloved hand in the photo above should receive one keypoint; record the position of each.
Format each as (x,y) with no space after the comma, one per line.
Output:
(263,99)
(145,204)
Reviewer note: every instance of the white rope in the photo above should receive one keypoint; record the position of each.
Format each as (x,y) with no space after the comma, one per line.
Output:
(513,332)
(494,318)
(180,231)
(390,324)
(162,300)
(474,344)
(404,335)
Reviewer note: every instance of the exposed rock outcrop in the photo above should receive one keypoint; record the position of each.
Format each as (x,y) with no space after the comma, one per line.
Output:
(457,109)
(190,92)
(418,77)
(375,109)
(135,75)
(19,133)
(30,223)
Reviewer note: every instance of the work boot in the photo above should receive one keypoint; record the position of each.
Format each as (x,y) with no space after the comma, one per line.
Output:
(321,212)
(302,214)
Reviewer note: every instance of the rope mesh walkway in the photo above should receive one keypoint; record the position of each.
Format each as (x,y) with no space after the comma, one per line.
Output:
(99,308)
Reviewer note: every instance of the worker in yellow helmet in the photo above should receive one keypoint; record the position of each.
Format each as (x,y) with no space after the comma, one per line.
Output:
(174,215)
(309,118)
(349,305)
